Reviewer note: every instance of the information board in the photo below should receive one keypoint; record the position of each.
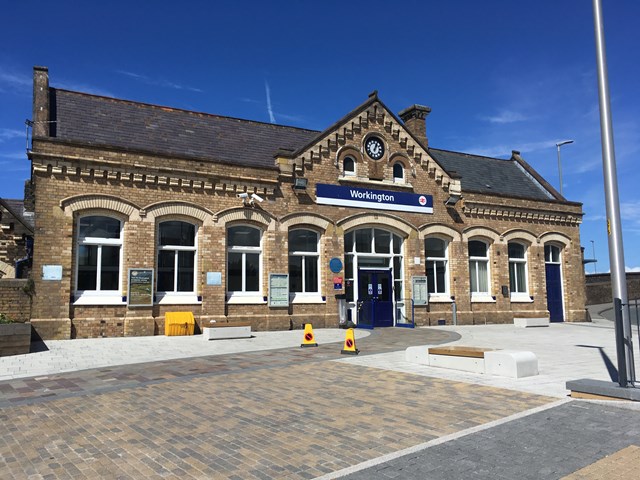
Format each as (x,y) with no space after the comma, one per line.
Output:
(278,289)
(419,291)
(140,287)
(52,272)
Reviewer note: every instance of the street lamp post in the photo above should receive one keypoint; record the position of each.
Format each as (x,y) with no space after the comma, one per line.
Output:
(593,248)
(566,142)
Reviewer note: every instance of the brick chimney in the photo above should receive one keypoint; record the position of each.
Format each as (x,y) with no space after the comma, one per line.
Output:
(40,102)
(414,119)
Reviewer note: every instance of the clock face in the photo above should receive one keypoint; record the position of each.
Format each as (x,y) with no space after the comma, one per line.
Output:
(374,148)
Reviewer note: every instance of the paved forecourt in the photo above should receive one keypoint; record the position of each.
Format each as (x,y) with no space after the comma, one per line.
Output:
(292,413)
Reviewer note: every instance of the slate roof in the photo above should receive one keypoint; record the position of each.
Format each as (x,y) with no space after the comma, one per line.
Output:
(138,126)
(16,208)
(110,122)
(491,175)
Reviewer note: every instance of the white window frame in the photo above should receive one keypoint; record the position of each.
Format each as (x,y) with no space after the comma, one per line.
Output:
(400,179)
(308,297)
(481,296)
(242,296)
(520,296)
(174,297)
(98,296)
(349,173)
(439,296)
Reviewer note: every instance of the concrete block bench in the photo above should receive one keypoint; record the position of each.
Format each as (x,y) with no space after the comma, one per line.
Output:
(504,363)
(531,322)
(511,363)
(219,331)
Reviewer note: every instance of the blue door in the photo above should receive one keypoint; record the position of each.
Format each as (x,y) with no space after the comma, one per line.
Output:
(554,292)
(375,299)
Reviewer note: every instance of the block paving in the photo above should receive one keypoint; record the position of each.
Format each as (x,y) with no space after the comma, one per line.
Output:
(287,414)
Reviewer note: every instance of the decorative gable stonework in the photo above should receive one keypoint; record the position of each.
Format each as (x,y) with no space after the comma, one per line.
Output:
(134,187)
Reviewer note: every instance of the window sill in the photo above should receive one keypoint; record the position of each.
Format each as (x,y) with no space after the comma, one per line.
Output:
(298,299)
(99,300)
(524,298)
(246,300)
(440,299)
(482,299)
(176,299)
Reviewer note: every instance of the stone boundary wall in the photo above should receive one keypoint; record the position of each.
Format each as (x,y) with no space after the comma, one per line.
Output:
(14,302)
(598,287)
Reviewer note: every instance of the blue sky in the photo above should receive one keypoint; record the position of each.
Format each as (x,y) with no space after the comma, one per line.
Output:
(499,75)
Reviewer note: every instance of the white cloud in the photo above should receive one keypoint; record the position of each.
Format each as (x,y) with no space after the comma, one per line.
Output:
(159,82)
(9,133)
(506,116)
(80,87)
(505,150)
(630,212)
(14,82)
(272,118)
(632,269)
(19,154)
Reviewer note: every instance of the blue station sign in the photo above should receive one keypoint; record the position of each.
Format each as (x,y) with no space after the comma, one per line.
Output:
(376,199)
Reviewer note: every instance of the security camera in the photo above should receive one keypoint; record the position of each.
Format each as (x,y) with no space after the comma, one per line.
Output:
(257,198)
(242,195)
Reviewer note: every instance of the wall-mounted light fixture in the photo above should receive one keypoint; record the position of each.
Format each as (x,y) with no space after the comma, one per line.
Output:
(300,183)
(452,200)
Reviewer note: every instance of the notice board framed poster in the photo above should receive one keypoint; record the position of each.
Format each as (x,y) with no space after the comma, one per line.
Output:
(140,292)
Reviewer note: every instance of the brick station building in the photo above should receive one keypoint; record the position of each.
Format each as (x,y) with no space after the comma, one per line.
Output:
(242,221)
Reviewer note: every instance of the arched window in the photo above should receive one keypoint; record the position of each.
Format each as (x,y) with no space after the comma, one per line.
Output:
(99,260)
(244,261)
(177,249)
(437,266)
(304,258)
(372,248)
(517,270)
(478,268)
(551,254)
(349,166)
(398,173)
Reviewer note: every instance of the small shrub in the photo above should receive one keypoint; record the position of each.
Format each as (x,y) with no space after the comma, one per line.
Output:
(5,319)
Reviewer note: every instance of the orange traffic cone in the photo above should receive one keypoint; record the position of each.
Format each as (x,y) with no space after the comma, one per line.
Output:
(350,344)
(308,340)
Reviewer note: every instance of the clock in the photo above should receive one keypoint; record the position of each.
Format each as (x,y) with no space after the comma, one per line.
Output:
(374,148)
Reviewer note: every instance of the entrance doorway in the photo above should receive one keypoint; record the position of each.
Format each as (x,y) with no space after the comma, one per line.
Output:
(375,298)
(553,276)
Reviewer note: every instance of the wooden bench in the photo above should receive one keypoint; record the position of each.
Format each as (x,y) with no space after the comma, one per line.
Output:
(468,359)
(503,363)
(220,331)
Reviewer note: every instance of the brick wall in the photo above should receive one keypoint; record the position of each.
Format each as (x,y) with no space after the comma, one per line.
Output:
(14,302)
(120,186)
(598,287)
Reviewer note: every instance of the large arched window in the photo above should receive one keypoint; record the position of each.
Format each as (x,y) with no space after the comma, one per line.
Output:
(304,272)
(177,253)
(518,271)
(99,260)
(478,268)
(437,266)
(244,253)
